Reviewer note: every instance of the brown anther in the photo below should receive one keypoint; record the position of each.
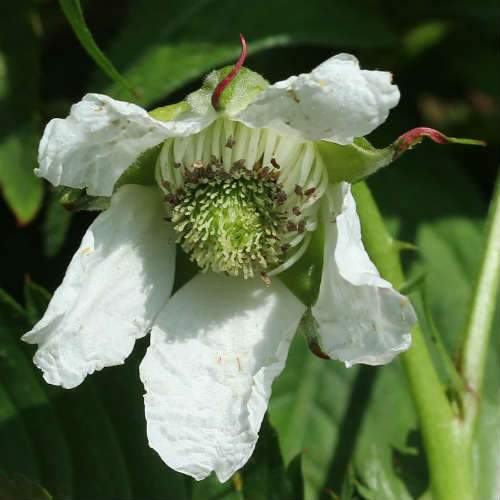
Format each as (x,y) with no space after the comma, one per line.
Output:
(291,226)
(166,184)
(239,164)
(265,278)
(215,161)
(177,164)
(285,247)
(275,175)
(301,227)
(171,199)
(274,163)
(310,191)
(298,190)
(296,211)
(263,173)
(281,197)
(258,164)
(231,141)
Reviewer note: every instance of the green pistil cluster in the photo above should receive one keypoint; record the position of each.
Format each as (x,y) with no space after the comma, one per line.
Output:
(230,222)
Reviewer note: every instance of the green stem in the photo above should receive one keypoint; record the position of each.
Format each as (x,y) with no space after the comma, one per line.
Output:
(449,462)
(480,320)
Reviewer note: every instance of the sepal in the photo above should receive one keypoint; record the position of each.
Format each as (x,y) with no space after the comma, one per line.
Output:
(309,327)
(357,161)
(353,162)
(77,200)
(238,94)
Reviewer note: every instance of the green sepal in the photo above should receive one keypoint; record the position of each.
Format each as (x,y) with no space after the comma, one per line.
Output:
(76,200)
(309,327)
(304,277)
(142,171)
(353,162)
(170,112)
(239,93)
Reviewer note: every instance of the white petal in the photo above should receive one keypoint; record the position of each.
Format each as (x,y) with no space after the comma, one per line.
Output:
(101,137)
(337,101)
(361,318)
(116,284)
(215,351)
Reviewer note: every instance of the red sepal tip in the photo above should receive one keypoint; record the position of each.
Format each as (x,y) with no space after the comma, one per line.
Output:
(415,135)
(229,78)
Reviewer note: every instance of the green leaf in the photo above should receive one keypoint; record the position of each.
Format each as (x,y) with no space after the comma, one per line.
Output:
(122,395)
(100,470)
(74,14)
(264,477)
(55,225)
(31,402)
(36,300)
(18,454)
(19,57)
(89,441)
(308,404)
(17,487)
(161,49)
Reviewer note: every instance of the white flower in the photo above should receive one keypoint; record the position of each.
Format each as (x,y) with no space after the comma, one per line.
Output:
(220,340)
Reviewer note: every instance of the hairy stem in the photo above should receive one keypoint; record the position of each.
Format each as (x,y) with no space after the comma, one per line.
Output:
(481,315)
(449,462)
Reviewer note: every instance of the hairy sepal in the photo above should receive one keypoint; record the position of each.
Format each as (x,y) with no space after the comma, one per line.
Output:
(239,93)
(353,162)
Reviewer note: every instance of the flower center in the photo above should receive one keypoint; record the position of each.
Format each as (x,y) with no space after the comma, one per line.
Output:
(241,200)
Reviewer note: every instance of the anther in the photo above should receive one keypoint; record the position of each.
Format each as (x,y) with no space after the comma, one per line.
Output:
(274,163)
(296,211)
(298,190)
(238,164)
(265,278)
(281,197)
(310,191)
(275,175)
(291,226)
(231,141)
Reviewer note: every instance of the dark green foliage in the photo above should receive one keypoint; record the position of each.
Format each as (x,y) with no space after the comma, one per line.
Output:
(336,433)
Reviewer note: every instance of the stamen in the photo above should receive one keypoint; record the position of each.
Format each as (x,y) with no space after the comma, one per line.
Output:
(230,207)
(229,78)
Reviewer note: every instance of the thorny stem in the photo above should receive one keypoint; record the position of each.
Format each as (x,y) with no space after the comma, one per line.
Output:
(481,315)
(229,78)
(447,453)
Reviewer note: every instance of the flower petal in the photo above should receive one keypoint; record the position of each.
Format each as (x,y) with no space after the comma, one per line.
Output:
(337,101)
(117,282)
(215,351)
(361,318)
(101,137)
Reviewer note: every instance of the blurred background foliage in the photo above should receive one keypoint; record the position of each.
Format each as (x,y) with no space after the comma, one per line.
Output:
(333,433)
